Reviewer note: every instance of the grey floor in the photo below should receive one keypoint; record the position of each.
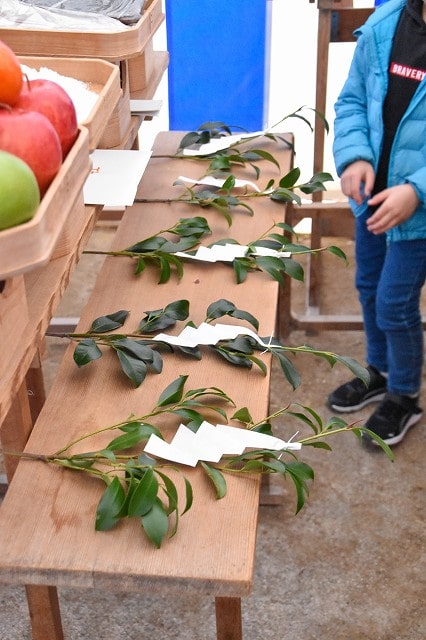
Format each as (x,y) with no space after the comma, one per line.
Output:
(350,566)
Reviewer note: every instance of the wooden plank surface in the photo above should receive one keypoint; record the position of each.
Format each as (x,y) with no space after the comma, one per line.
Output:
(47,531)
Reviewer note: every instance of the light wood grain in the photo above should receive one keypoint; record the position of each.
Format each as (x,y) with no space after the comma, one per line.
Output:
(50,538)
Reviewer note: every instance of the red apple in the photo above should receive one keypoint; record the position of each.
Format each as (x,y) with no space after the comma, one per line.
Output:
(50,99)
(30,136)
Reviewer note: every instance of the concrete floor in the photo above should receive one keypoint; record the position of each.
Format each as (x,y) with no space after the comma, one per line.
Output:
(350,566)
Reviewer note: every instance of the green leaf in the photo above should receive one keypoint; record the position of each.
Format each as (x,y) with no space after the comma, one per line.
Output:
(240,266)
(133,434)
(125,441)
(195,226)
(217,478)
(136,348)
(189,414)
(245,315)
(232,357)
(148,245)
(112,321)
(285,195)
(86,351)
(288,369)
(134,368)
(155,523)
(219,308)
(140,266)
(229,183)
(300,472)
(193,352)
(160,319)
(262,366)
(243,415)
(110,505)
(144,495)
(165,270)
(179,310)
(293,269)
(188,496)
(173,392)
(289,180)
(170,491)
(380,442)
(338,252)
(355,367)
(266,156)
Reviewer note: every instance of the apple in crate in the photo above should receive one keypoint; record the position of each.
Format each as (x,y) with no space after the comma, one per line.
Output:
(50,99)
(19,192)
(32,137)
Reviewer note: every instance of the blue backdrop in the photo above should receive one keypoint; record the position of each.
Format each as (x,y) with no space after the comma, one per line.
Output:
(219,62)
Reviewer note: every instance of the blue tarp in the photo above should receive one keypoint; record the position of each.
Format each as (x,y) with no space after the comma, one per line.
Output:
(219,62)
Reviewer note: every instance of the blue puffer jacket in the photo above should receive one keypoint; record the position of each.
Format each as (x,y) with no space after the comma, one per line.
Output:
(358,127)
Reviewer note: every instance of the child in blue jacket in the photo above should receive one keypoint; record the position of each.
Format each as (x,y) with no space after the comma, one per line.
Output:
(380,155)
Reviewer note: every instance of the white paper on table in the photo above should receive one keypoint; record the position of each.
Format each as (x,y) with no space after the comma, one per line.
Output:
(265,251)
(210,181)
(230,444)
(257,440)
(228,252)
(217,253)
(196,443)
(218,144)
(231,331)
(210,443)
(115,176)
(158,447)
(207,333)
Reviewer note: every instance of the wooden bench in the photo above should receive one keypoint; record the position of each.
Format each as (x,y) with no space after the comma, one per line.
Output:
(47,535)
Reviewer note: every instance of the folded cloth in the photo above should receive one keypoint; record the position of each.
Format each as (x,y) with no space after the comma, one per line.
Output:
(127,11)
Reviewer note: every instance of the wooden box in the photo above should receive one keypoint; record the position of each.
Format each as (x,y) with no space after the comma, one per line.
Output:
(111,45)
(114,46)
(100,76)
(32,244)
(117,127)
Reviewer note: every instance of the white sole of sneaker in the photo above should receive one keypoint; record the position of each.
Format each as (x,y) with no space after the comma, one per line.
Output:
(400,436)
(359,406)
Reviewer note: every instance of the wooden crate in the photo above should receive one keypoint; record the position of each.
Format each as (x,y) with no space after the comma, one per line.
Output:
(32,244)
(100,76)
(142,68)
(114,46)
(119,123)
(111,45)
(13,317)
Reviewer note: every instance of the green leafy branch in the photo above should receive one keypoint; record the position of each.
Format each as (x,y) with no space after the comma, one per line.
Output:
(225,202)
(161,252)
(221,162)
(139,486)
(139,353)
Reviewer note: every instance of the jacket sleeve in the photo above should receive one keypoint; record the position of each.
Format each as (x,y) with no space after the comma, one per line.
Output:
(351,127)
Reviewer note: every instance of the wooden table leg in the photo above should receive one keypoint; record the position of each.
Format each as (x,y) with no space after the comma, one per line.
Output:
(42,601)
(228,619)
(43,605)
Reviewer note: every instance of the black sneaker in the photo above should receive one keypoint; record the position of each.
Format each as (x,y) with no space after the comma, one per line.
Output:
(392,419)
(355,394)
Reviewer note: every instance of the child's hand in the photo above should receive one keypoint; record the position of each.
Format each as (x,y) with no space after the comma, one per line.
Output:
(357,180)
(395,205)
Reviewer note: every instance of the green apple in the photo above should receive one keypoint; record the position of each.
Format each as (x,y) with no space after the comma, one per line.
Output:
(19,191)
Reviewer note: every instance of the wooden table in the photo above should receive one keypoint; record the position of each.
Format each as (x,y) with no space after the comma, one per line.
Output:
(49,539)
